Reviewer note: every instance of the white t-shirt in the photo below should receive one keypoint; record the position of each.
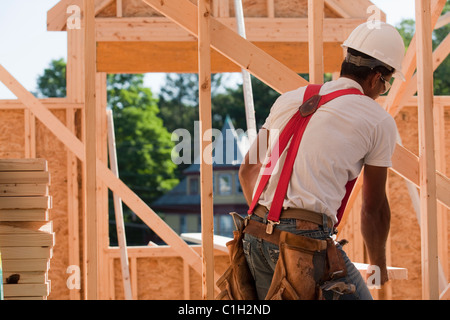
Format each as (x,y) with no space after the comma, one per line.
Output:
(342,136)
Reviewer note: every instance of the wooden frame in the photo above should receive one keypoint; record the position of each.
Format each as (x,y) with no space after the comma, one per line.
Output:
(245,55)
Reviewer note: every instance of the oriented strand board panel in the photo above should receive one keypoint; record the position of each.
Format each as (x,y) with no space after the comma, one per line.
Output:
(181,57)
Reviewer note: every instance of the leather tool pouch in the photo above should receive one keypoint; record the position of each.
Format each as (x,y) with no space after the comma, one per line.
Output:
(307,269)
(237,282)
(300,268)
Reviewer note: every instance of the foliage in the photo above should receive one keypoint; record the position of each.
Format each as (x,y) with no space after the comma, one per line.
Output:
(53,82)
(143,143)
(441,81)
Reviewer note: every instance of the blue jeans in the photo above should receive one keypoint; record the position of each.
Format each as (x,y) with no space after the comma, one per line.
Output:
(262,256)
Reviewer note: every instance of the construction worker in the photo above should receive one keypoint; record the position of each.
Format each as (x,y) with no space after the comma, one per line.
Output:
(344,136)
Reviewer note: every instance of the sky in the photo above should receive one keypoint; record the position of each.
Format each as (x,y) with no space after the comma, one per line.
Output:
(26,47)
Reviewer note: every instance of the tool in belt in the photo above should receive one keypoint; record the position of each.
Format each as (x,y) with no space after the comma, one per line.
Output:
(294,132)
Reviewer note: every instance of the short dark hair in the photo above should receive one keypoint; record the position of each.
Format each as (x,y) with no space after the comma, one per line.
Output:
(362,72)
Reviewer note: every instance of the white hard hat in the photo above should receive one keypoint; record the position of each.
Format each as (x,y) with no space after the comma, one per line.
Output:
(380,41)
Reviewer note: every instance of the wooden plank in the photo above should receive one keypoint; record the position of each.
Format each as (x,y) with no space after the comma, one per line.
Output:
(73,221)
(206,170)
(26,252)
(26,227)
(15,190)
(51,103)
(443,21)
(427,173)
(27,240)
(406,164)
(233,46)
(118,210)
(30,289)
(24,215)
(36,177)
(28,276)
(26,202)
(30,134)
(315,40)
(91,151)
(161,29)
(181,57)
(18,265)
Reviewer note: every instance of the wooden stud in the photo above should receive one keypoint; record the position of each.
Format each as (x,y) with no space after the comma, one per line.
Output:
(121,237)
(315,40)
(442,212)
(119,8)
(102,189)
(72,204)
(270,9)
(206,170)
(91,152)
(428,204)
(186,282)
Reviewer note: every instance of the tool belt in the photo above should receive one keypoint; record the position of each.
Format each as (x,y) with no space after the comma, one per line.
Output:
(306,268)
(296,213)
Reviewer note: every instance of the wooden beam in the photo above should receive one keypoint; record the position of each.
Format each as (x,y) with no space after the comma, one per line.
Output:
(38,164)
(443,21)
(206,170)
(51,103)
(409,63)
(72,205)
(439,55)
(118,210)
(233,46)
(91,152)
(156,29)
(181,57)
(315,40)
(428,204)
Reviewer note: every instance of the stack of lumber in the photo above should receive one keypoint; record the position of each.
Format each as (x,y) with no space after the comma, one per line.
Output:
(26,234)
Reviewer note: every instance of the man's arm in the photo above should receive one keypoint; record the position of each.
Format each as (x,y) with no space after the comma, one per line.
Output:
(250,167)
(375,217)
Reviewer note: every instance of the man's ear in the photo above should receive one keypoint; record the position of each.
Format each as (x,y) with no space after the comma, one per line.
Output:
(373,80)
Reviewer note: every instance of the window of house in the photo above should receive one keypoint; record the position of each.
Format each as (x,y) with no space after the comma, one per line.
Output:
(225,184)
(193,186)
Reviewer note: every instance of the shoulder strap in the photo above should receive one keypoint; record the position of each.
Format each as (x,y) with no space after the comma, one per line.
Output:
(280,145)
(294,129)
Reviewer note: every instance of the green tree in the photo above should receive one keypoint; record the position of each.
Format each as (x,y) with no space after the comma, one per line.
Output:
(52,83)
(143,143)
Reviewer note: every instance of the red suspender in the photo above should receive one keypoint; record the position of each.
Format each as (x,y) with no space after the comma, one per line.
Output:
(294,129)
